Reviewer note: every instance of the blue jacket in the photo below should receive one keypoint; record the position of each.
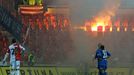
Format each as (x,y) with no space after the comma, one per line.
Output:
(101,56)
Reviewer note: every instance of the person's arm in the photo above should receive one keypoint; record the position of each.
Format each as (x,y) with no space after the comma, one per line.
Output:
(98,55)
(108,55)
(22,48)
(5,57)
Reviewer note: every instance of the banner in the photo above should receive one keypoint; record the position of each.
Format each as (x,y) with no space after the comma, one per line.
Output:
(0,71)
(49,70)
(118,71)
(132,72)
(111,71)
(32,71)
(93,71)
(66,71)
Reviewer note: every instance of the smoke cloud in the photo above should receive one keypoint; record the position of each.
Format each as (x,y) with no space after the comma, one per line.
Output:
(85,43)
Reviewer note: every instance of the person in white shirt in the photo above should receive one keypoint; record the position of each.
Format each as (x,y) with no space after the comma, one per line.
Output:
(14,51)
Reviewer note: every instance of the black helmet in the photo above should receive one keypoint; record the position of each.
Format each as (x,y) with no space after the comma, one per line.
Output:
(13,40)
(102,47)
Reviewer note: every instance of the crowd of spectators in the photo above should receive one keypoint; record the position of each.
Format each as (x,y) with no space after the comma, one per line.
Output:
(4,42)
(50,46)
(49,41)
(53,45)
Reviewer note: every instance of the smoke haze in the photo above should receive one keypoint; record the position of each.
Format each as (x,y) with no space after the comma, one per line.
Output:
(120,44)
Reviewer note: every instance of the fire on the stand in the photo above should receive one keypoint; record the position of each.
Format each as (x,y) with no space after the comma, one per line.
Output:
(106,24)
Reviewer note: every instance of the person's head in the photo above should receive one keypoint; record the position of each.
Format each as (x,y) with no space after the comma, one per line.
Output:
(99,45)
(13,40)
(102,47)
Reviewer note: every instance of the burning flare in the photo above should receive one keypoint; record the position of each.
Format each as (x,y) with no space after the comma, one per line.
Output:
(103,19)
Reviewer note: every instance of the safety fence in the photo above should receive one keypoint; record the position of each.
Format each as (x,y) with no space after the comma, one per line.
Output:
(10,23)
(52,70)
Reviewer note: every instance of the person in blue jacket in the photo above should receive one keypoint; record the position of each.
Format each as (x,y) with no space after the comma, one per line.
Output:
(102,55)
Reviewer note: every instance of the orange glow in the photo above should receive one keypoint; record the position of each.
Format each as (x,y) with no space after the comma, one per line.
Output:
(55,10)
(99,28)
(53,21)
(31,24)
(125,23)
(94,28)
(111,29)
(125,29)
(132,29)
(31,9)
(81,28)
(46,23)
(107,28)
(103,29)
(117,23)
(66,22)
(100,21)
(31,12)
(118,29)
(85,29)
(39,24)
(107,24)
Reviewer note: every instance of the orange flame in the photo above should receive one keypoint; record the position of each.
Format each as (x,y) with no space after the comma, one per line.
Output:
(99,21)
